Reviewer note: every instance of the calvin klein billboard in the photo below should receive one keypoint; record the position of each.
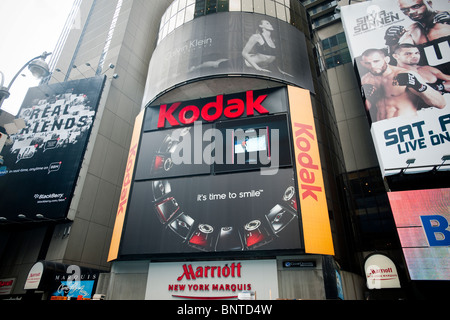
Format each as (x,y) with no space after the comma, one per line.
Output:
(41,161)
(225,44)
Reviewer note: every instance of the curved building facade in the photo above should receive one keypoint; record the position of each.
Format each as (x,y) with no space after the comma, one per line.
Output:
(220,158)
(235,163)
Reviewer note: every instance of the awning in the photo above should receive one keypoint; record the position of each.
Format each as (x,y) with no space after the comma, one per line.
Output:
(45,274)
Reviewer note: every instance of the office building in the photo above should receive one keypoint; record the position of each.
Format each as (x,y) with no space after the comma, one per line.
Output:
(210,170)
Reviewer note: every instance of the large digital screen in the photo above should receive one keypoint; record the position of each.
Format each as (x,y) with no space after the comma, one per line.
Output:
(179,205)
(171,153)
(223,213)
(422,219)
(260,142)
(200,186)
(224,185)
(232,43)
(257,140)
(401,53)
(41,161)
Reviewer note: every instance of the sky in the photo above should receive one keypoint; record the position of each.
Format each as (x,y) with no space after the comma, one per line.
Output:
(27,29)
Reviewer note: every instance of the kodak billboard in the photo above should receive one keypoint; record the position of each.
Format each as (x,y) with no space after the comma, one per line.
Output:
(126,185)
(310,185)
(238,174)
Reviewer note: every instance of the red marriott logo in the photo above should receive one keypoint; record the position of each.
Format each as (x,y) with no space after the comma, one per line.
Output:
(212,111)
(211,271)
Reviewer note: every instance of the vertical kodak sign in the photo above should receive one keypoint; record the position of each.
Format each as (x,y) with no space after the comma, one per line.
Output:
(126,185)
(313,202)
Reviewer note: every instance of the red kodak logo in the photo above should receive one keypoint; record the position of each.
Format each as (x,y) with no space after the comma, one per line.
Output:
(127,180)
(212,111)
(304,136)
(313,202)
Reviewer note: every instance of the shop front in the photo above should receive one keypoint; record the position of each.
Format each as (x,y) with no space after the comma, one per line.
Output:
(57,281)
(213,280)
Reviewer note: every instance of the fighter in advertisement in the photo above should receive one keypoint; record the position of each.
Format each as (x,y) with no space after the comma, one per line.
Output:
(408,57)
(404,76)
(389,89)
(392,91)
(428,24)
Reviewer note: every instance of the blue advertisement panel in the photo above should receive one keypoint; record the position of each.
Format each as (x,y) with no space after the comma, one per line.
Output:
(422,219)
(75,289)
(41,161)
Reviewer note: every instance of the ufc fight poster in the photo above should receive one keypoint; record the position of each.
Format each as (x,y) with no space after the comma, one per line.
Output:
(401,54)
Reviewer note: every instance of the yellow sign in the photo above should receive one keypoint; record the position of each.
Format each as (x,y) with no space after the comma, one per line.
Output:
(313,202)
(123,202)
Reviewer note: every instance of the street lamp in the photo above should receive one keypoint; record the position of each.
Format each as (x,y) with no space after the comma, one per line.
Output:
(42,217)
(38,68)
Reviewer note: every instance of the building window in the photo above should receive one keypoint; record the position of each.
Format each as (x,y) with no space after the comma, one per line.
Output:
(223,5)
(335,51)
(247,5)
(235,5)
(211,6)
(372,216)
(259,6)
(183,11)
(200,8)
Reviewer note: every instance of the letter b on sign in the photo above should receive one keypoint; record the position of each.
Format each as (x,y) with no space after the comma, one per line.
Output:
(435,227)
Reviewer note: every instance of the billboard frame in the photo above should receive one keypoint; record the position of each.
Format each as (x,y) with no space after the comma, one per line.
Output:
(57,119)
(321,229)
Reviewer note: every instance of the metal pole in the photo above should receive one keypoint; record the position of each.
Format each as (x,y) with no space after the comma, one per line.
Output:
(5,91)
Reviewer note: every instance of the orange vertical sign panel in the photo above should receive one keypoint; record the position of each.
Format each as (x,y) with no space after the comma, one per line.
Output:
(125,193)
(313,202)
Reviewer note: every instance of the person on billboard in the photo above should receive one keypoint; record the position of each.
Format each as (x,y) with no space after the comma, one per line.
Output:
(428,24)
(392,91)
(209,64)
(408,57)
(260,50)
